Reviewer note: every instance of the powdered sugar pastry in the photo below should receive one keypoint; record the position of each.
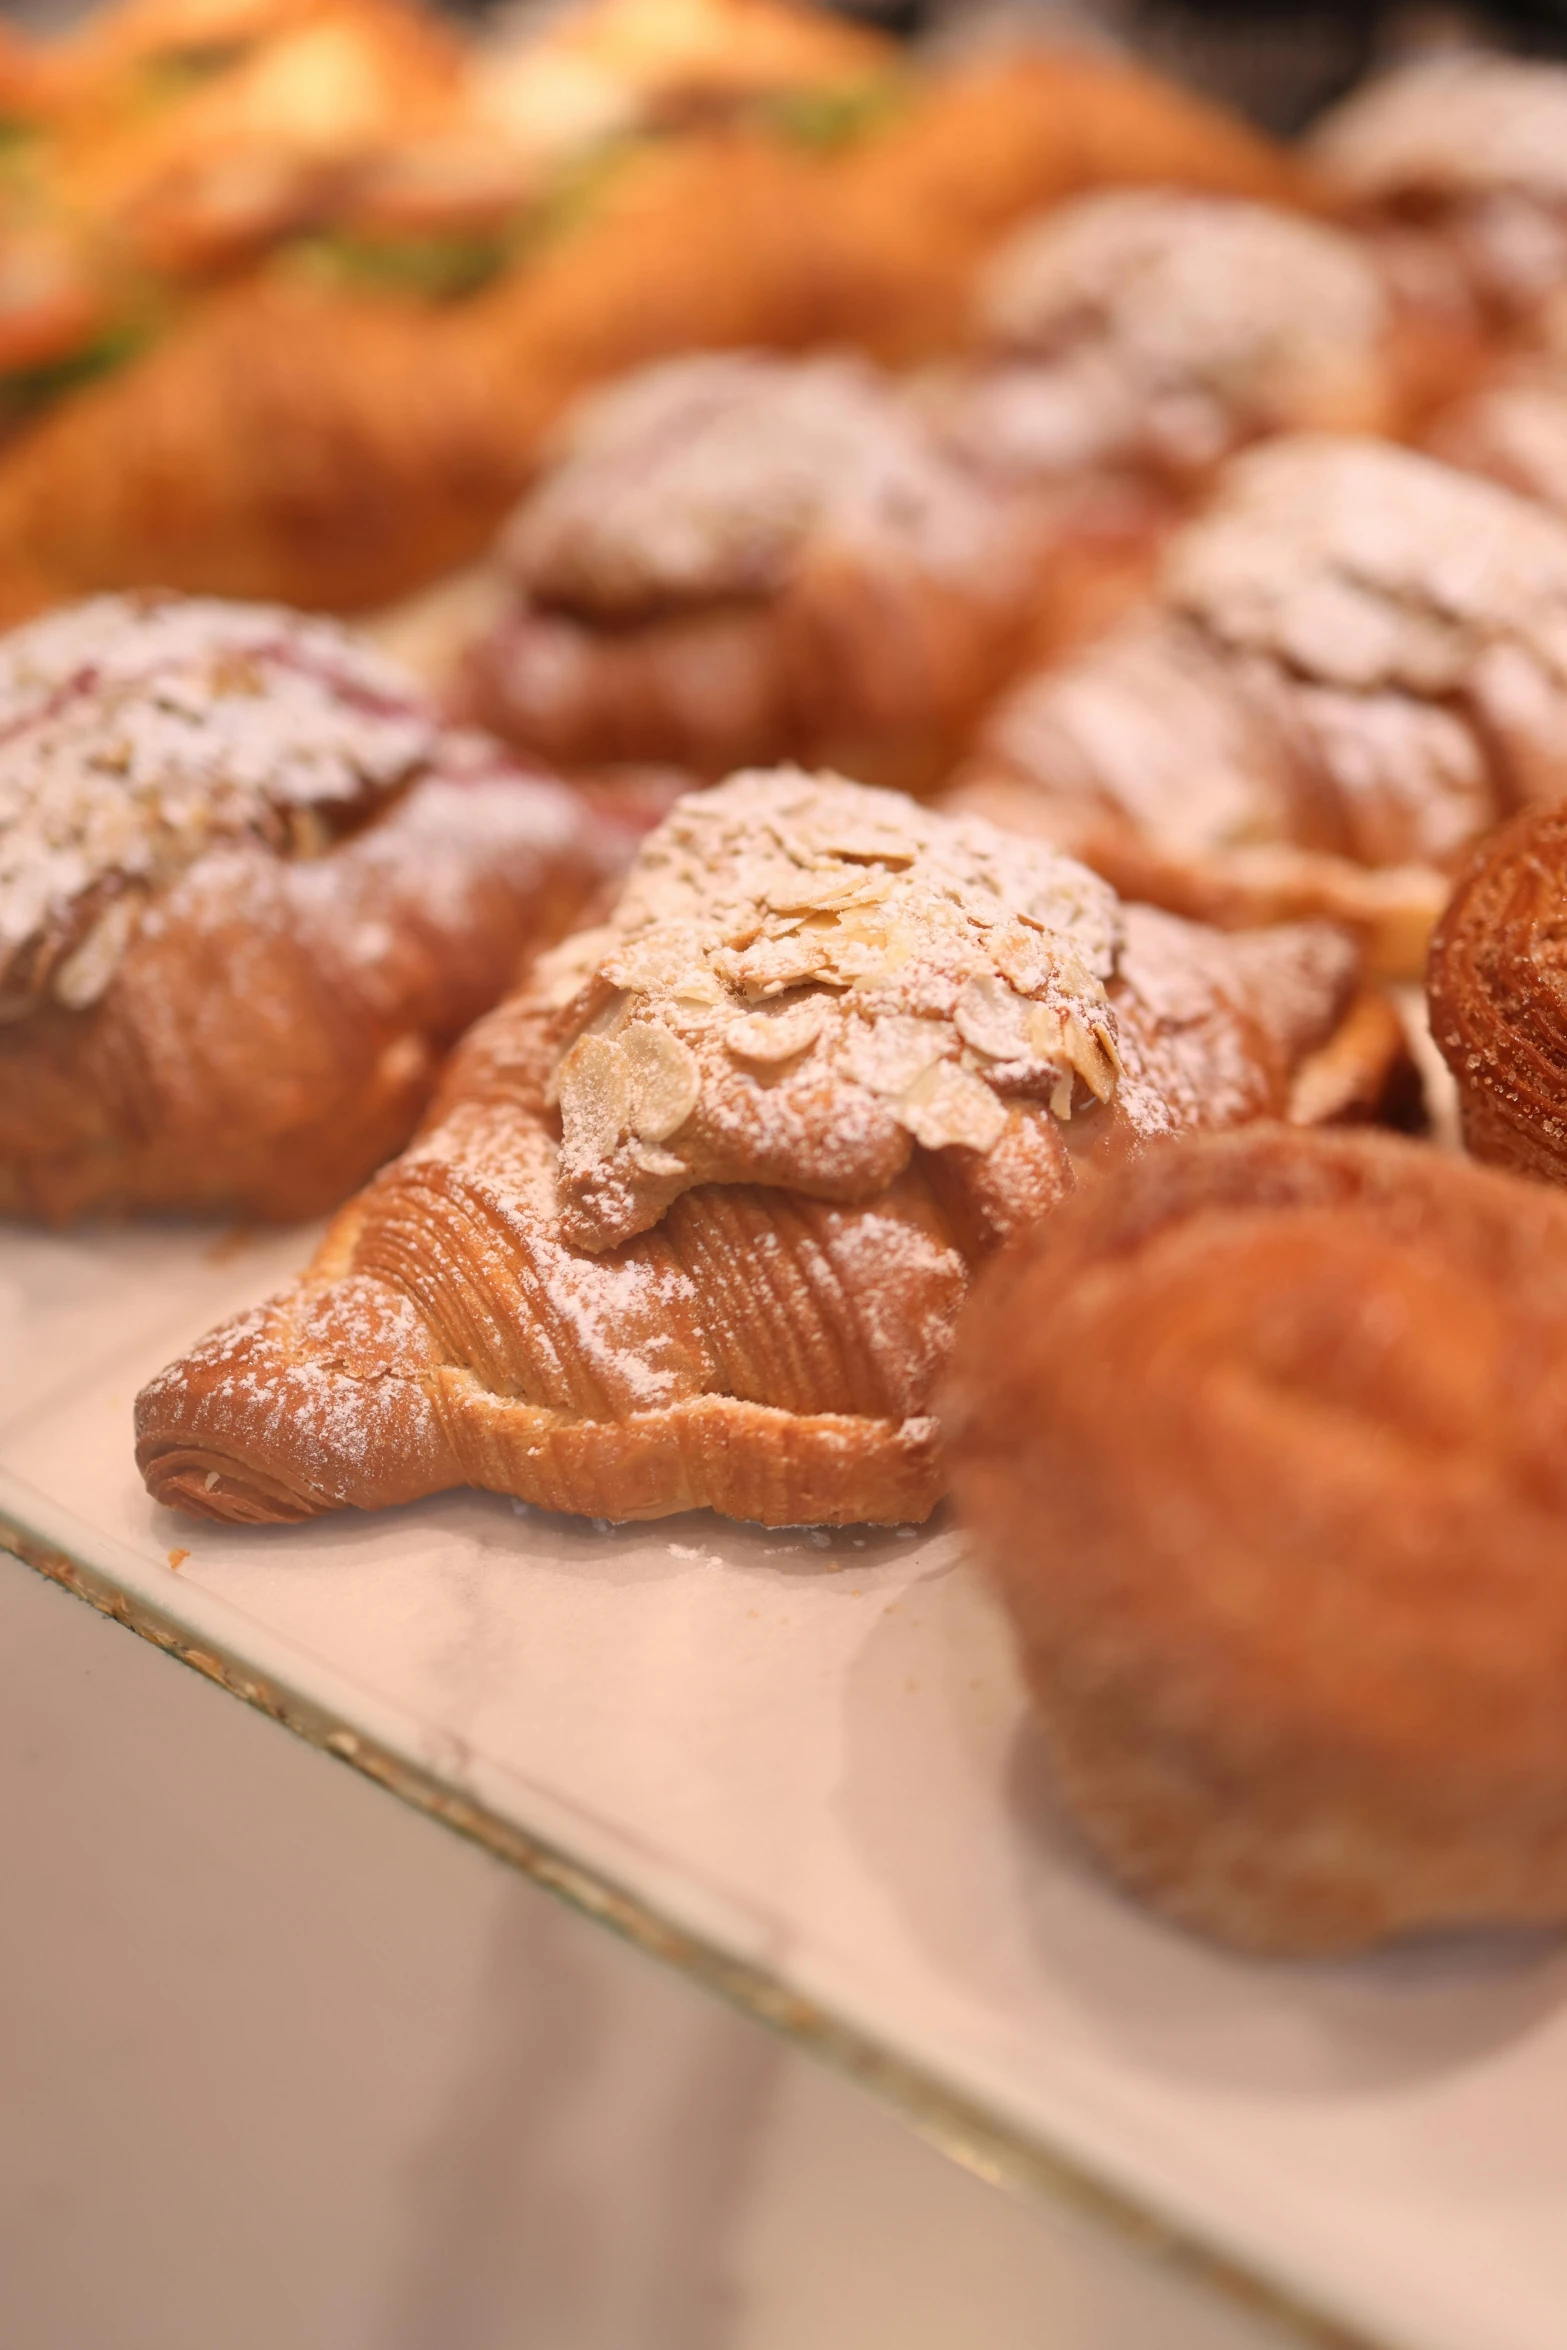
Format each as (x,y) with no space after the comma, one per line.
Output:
(805,977)
(136,732)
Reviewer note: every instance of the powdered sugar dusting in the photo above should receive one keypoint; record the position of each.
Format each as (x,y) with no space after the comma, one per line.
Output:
(1177,321)
(801,975)
(1367,565)
(705,477)
(1467,122)
(137,731)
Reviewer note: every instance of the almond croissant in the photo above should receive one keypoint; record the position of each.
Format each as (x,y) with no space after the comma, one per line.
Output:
(737,559)
(249,891)
(692,1218)
(1353,665)
(1455,168)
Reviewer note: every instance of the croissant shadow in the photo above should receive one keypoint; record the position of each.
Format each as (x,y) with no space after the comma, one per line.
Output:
(1416,2010)
(946,1794)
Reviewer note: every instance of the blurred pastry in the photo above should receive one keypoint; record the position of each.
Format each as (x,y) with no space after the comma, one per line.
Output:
(692,1217)
(249,892)
(204,134)
(1128,342)
(413,298)
(737,559)
(1456,166)
(1354,664)
(1495,992)
(1151,331)
(296,440)
(928,193)
(1263,1446)
(606,68)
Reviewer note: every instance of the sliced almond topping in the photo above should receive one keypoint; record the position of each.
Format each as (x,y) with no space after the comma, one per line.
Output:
(83,976)
(666,1080)
(891,1054)
(774,964)
(947,1105)
(769,1037)
(815,893)
(595,1097)
(862,842)
(993,1018)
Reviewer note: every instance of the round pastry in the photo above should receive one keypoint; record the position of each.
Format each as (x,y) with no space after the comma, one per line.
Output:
(1352,665)
(1263,1445)
(692,1216)
(1154,330)
(1457,167)
(249,892)
(739,558)
(1495,989)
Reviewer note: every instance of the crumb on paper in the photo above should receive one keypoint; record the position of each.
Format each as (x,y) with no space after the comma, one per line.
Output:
(177,1559)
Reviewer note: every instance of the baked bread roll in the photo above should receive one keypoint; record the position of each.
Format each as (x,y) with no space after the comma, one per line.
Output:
(691,1219)
(1354,664)
(1456,167)
(1495,994)
(249,893)
(737,558)
(1262,1445)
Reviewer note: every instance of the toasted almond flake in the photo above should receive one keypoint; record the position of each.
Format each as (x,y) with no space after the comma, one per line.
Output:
(774,964)
(595,1097)
(83,976)
(666,1080)
(810,893)
(892,1054)
(862,843)
(771,1037)
(993,1018)
(659,1164)
(947,1106)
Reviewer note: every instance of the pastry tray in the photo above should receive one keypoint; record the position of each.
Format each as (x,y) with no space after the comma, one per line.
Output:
(799,1765)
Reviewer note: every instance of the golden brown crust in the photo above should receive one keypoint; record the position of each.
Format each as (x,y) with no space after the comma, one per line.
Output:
(1495,991)
(1351,668)
(1263,1447)
(336,450)
(725,1269)
(249,893)
(736,560)
(339,450)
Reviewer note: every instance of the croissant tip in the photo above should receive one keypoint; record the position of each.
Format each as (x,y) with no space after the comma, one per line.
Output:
(224,1491)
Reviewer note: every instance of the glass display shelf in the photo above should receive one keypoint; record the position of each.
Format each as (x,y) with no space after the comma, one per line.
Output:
(800,1767)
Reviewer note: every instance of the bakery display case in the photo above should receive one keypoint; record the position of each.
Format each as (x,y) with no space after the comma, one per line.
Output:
(781,1074)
